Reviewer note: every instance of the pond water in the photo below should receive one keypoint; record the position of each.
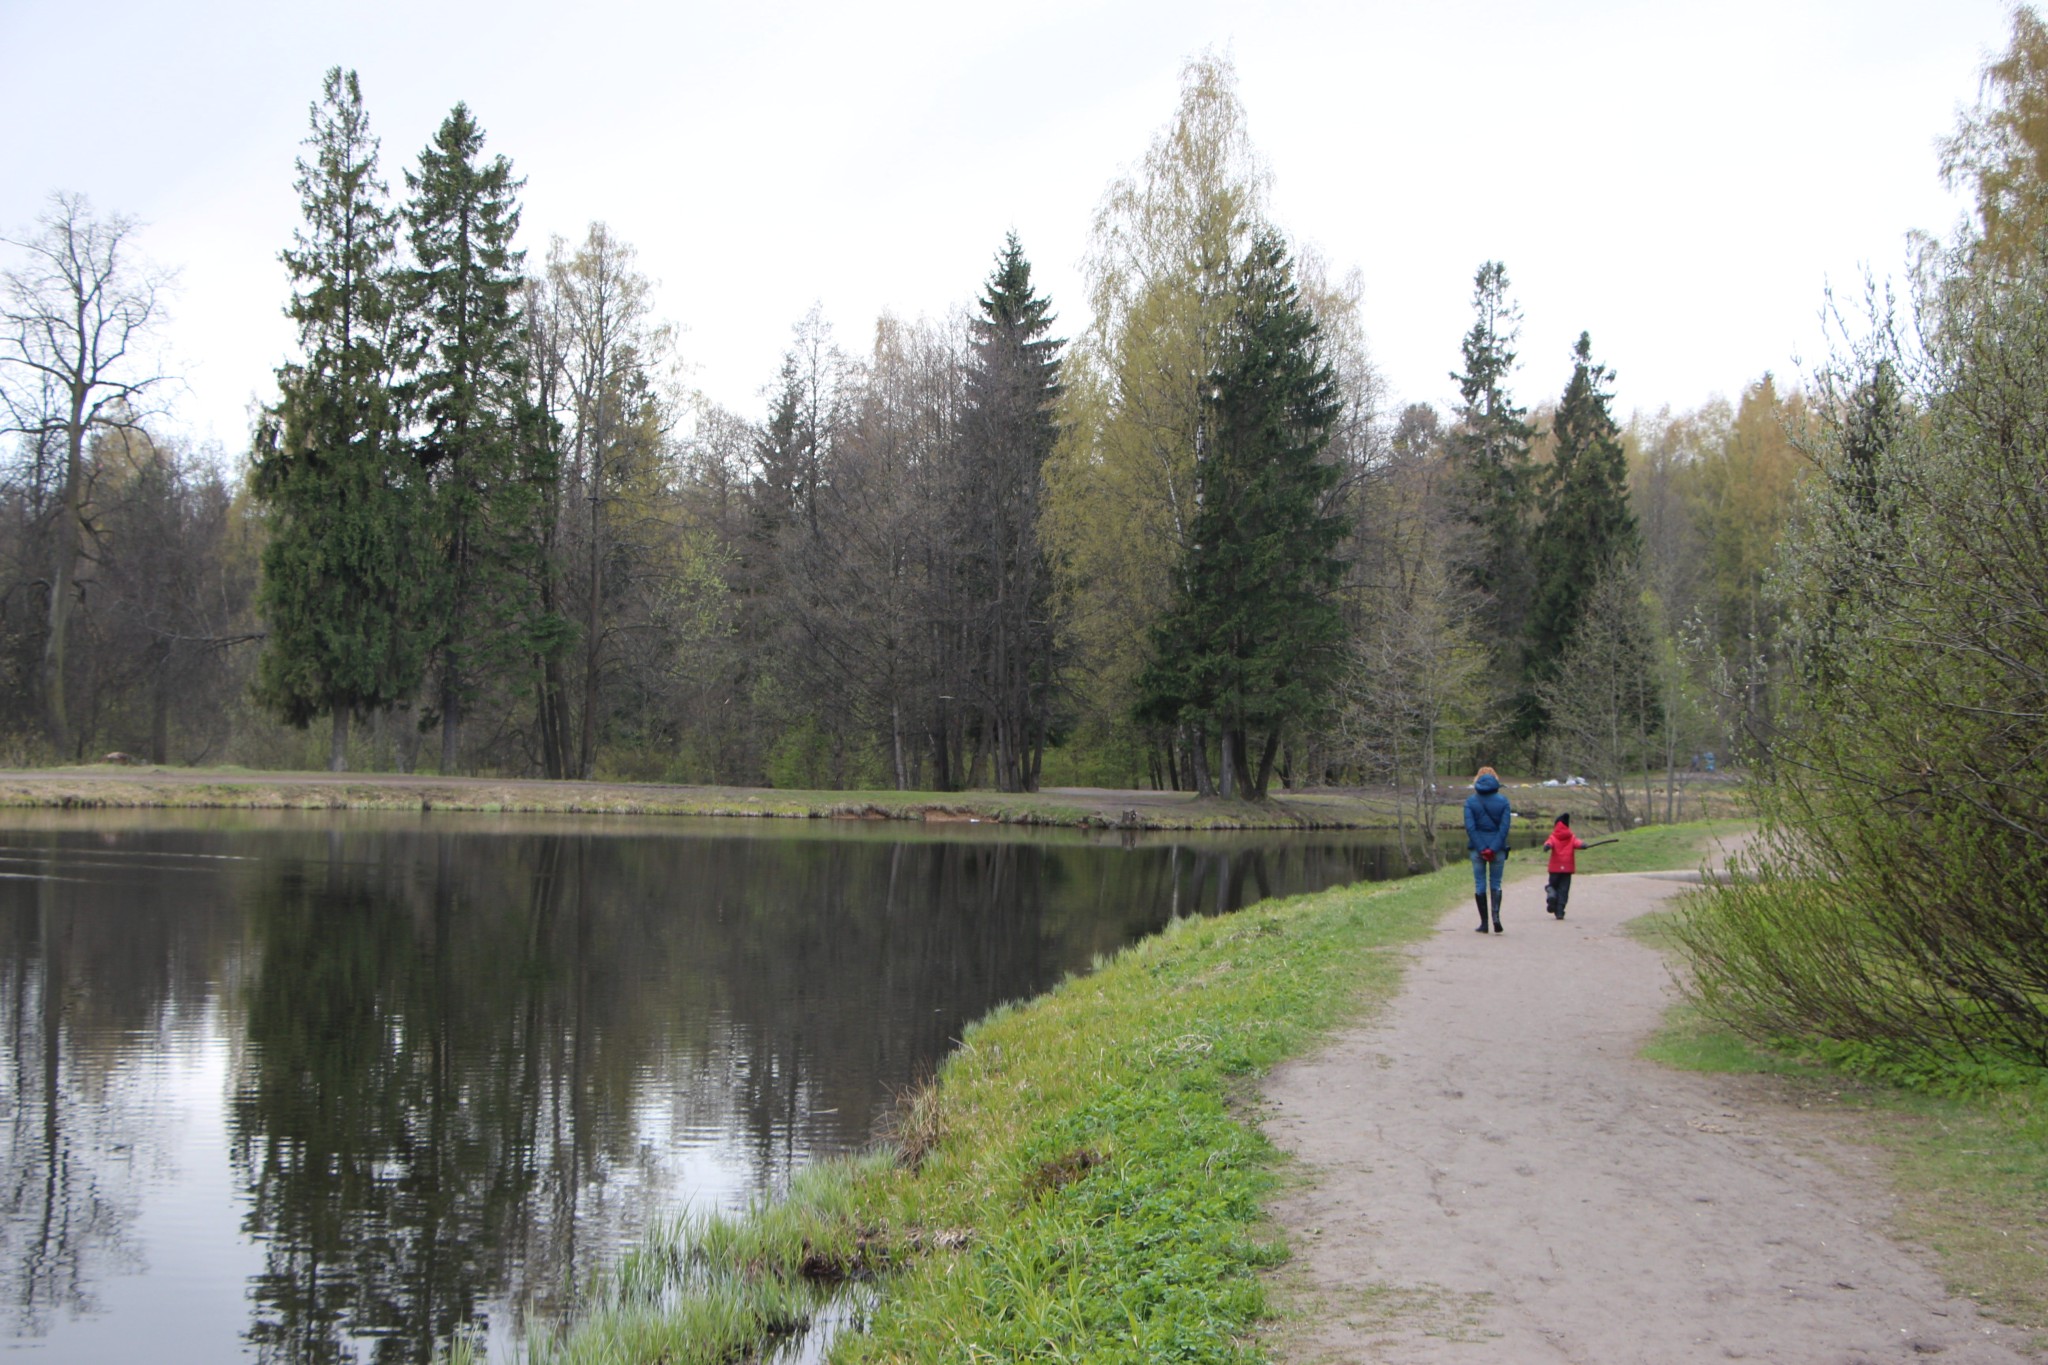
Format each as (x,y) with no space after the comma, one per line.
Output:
(312,1088)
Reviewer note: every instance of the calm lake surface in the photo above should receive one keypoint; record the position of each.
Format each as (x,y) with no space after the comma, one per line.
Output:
(315,1088)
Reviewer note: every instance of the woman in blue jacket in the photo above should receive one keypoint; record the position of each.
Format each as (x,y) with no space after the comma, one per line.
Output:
(1487,818)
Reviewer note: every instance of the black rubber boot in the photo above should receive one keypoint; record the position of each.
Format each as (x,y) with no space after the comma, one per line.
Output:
(1480,898)
(1496,911)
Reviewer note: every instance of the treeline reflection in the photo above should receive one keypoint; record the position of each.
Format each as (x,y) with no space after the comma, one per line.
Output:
(465,1066)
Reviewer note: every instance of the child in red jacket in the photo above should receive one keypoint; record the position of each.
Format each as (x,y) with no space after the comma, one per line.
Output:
(1564,847)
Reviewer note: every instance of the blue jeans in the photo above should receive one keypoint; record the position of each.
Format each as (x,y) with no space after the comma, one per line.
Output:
(1484,871)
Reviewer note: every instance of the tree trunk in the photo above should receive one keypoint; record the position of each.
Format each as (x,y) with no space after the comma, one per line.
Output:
(997,720)
(977,764)
(896,744)
(451,721)
(405,741)
(586,750)
(1266,766)
(1198,761)
(1425,793)
(63,581)
(1649,771)
(544,731)
(593,609)
(942,756)
(337,743)
(160,711)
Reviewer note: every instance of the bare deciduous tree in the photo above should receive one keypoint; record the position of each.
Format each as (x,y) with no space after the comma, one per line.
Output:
(73,317)
(1416,686)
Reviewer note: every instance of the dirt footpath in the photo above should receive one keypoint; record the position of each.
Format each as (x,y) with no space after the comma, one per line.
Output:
(1497,1176)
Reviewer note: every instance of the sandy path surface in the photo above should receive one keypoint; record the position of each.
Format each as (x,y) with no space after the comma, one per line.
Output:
(1495,1175)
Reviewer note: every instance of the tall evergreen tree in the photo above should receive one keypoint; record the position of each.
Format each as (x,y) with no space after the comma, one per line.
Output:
(469,384)
(1492,474)
(340,592)
(1013,391)
(785,457)
(1587,524)
(1253,641)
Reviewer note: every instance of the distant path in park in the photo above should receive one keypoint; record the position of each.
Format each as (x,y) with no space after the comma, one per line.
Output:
(1496,1175)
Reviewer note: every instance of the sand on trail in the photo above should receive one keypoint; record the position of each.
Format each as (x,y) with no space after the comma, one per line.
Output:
(1493,1173)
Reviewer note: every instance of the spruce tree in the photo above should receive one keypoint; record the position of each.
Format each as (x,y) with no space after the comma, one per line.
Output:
(1488,449)
(782,460)
(340,594)
(1253,641)
(1587,524)
(468,385)
(1012,392)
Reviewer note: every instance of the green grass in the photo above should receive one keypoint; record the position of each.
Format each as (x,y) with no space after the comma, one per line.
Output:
(1967,1151)
(1662,848)
(1688,1039)
(1083,1180)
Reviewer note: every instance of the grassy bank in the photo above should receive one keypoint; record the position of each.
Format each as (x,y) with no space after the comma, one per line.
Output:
(102,786)
(1967,1151)
(1081,1181)
(113,787)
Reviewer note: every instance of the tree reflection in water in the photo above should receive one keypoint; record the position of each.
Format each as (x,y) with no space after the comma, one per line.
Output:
(471,1063)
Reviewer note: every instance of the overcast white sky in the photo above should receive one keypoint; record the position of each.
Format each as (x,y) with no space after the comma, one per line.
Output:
(1682,180)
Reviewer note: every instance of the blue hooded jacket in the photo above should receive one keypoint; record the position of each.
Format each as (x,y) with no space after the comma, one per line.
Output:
(1487,816)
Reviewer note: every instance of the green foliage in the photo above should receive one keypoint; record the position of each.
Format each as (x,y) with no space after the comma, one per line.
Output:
(1601,697)
(1089,758)
(1120,488)
(1488,448)
(1012,391)
(600,422)
(1587,524)
(805,756)
(1742,497)
(797,757)
(1900,897)
(483,483)
(1252,643)
(342,593)
(2000,151)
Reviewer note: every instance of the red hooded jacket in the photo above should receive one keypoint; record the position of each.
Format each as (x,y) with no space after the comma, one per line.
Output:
(1564,847)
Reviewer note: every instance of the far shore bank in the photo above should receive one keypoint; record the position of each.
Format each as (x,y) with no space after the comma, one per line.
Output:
(115,786)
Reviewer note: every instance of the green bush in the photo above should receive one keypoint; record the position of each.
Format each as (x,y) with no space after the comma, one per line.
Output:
(1898,900)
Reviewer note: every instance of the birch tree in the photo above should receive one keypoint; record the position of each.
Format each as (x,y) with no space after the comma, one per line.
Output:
(1121,495)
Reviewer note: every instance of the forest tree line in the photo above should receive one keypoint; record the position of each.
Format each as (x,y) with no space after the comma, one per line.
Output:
(483,528)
